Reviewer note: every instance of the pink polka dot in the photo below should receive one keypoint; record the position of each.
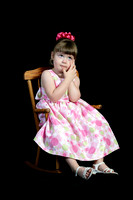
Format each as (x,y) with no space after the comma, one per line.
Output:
(90,108)
(108,141)
(84,112)
(110,129)
(54,141)
(64,154)
(55,121)
(87,149)
(92,150)
(75,148)
(98,123)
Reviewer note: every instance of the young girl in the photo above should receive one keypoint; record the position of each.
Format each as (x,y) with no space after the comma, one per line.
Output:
(74,129)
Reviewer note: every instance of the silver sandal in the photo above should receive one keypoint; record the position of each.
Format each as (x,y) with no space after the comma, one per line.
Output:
(107,170)
(84,172)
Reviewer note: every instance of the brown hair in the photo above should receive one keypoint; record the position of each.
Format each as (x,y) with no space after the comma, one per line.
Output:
(66,46)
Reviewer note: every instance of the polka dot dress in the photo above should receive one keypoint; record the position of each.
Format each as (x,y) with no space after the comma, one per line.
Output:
(74,130)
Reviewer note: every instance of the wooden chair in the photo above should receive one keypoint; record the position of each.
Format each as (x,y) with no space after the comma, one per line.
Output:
(29,76)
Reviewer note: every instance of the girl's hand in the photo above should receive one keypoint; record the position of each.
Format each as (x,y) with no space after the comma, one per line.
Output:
(71,73)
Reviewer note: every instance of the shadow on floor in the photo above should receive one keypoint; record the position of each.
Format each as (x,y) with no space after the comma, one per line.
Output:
(31,182)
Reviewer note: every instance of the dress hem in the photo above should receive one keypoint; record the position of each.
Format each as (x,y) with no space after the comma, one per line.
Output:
(78,158)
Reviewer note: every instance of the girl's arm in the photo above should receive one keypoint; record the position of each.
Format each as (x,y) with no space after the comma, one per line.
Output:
(74,91)
(52,92)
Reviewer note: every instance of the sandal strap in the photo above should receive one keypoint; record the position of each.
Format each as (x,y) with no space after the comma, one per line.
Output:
(84,172)
(97,165)
(108,169)
(77,171)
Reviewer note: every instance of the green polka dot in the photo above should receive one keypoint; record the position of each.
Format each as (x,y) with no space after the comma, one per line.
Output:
(72,137)
(65,147)
(55,78)
(71,156)
(69,119)
(66,128)
(97,114)
(115,141)
(85,143)
(102,148)
(77,138)
(66,92)
(60,117)
(46,144)
(82,155)
(92,130)
(89,119)
(69,106)
(101,132)
(39,94)
(51,128)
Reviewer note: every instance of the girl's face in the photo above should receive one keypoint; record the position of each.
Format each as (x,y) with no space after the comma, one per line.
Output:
(62,61)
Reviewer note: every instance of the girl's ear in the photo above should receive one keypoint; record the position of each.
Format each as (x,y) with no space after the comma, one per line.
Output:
(52,55)
(52,58)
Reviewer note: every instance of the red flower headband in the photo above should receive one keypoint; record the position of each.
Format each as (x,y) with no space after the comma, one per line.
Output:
(65,35)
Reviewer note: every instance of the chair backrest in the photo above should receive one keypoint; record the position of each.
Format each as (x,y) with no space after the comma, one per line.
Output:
(35,73)
(29,76)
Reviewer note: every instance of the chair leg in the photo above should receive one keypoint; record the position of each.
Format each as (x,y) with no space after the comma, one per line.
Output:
(57,163)
(37,159)
(37,156)
(35,166)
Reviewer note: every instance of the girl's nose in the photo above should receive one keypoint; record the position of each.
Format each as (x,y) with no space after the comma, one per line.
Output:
(64,60)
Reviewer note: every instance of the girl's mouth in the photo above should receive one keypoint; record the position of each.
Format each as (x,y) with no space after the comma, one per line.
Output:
(63,66)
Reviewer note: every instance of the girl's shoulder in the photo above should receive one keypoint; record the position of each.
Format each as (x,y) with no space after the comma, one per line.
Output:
(49,74)
(46,74)
(48,77)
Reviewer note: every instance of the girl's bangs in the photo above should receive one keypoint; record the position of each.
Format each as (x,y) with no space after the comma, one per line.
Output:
(66,51)
(66,46)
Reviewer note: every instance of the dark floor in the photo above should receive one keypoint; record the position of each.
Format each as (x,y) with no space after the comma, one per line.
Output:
(29,182)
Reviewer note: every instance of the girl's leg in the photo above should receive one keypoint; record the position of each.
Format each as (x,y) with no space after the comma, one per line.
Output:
(98,161)
(102,166)
(74,165)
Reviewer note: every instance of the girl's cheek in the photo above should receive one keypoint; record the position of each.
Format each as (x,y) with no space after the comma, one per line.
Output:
(56,62)
(71,62)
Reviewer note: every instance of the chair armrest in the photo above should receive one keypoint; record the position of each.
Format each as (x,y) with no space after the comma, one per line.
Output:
(97,106)
(47,110)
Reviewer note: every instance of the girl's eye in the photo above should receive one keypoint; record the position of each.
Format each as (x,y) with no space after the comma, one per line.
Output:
(60,55)
(69,58)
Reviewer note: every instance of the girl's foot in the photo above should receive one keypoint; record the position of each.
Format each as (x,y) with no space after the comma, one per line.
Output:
(103,168)
(84,172)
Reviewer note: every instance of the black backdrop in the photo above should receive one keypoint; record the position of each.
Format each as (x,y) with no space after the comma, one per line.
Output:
(100,65)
